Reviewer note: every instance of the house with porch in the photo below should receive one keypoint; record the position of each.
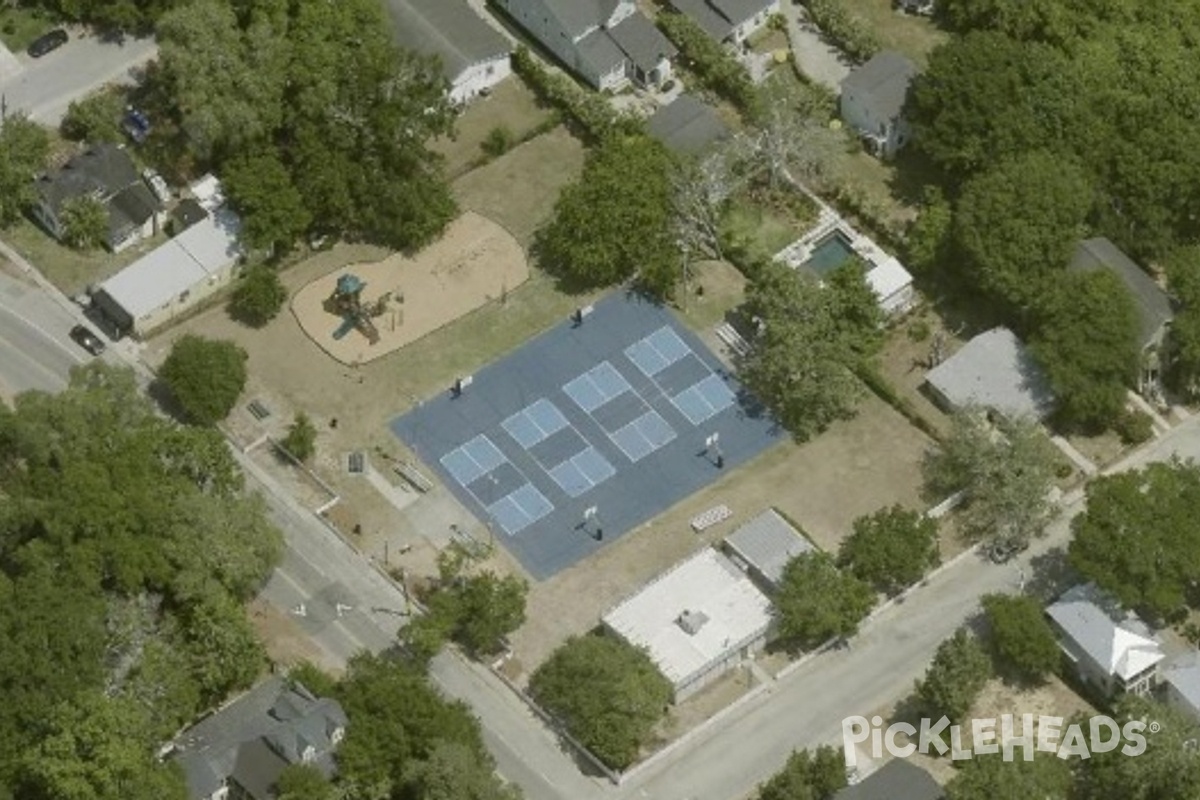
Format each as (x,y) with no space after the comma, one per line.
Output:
(1151,301)
(728,21)
(106,173)
(1110,647)
(607,43)
(872,102)
(473,54)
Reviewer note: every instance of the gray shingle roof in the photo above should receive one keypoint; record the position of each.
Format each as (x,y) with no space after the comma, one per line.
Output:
(882,83)
(599,52)
(896,780)
(767,543)
(578,16)
(994,370)
(1116,640)
(132,206)
(686,125)
(243,740)
(706,17)
(641,41)
(449,29)
(102,169)
(1153,305)
(738,11)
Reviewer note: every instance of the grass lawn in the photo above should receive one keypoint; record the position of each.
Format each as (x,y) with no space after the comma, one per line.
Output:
(19,26)
(716,288)
(763,223)
(70,270)
(912,35)
(511,106)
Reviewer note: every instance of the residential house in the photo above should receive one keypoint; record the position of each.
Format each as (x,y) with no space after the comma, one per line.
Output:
(239,752)
(764,546)
(697,621)
(1181,684)
(728,21)
(473,54)
(872,101)
(608,43)
(173,277)
(106,173)
(898,779)
(994,371)
(1111,648)
(1151,301)
(687,125)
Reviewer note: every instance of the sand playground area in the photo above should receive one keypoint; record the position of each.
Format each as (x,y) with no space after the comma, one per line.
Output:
(400,299)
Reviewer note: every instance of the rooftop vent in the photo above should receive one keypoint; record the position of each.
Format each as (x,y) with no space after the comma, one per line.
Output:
(691,621)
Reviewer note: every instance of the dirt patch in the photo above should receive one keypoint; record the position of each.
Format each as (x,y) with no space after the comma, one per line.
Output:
(855,468)
(286,642)
(474,262)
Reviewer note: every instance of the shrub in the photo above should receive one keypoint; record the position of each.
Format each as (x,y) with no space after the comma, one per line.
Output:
(589,110)
(498,141)
(919,330)
(1134,427)
(259,296)
(846,31)
(712,64)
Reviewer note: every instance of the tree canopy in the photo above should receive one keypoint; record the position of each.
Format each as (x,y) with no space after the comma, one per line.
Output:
(476,611)
(258,297)
(85,223)
(126,546)
(1138,539)
(890,549)
(808,775)
(312,116)
(24,148)
(1006,473)
(205,376)
(606,693)
(614,223)
(1021,637)
(957,675)
(816,602)
(991,777)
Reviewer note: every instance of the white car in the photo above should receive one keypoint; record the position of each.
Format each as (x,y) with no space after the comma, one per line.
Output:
(157,184)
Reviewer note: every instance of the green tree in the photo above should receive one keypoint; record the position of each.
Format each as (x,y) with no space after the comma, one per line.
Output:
(96,118)
(1183,338)
(890,549)
(1021,637)
(452,771)
(1086,340)
(1015,224)
(84,223)
(261,190)
(96,748)
(1137,538)
(606,693)
(802,358)
(930,236)
(24,148)
(303,782)
(991,777)
(205,376)
(957,675)
(815,602)
(258,297)
(808,775)
(1168,767)
(301,439)
(224,652)
(614,222)
(489,608)
(397,720)
(1005,471)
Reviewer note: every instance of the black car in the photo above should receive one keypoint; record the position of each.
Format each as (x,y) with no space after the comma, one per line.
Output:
(47,42)
(87,340)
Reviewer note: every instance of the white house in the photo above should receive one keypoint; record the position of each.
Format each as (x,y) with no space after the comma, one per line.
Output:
(104,172)
(697,621)
(872,101)
(995,371)
(1181,679)
(608,43)
(474,56)
(729,21)
(173,277)
(1110,647)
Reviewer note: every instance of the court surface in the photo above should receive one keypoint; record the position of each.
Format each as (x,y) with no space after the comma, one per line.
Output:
(611,414)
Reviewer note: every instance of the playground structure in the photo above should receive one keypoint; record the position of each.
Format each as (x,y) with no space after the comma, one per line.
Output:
(346,302)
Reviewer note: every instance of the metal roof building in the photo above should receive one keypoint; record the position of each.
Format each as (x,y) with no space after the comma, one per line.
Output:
(994,370)
(766,544)
(697,620)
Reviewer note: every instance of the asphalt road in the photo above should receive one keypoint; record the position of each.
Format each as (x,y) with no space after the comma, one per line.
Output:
(45,86)
(35,351)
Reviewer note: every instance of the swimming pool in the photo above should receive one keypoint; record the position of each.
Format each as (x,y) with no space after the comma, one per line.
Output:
(829,254)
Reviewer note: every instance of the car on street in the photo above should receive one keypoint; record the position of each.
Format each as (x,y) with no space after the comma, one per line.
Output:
(48,42)
(89,341)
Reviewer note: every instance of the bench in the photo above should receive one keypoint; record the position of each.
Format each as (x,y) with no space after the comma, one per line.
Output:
(413,475)
(711,517)
(727,334)
(258,410)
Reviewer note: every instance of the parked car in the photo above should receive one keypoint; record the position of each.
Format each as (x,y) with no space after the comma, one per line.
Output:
(136,124)
(48,42)
(157,184)
(89,341)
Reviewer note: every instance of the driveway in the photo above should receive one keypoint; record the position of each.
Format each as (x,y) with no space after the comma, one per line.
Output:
(10,65)
(44,87)
(817,59)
